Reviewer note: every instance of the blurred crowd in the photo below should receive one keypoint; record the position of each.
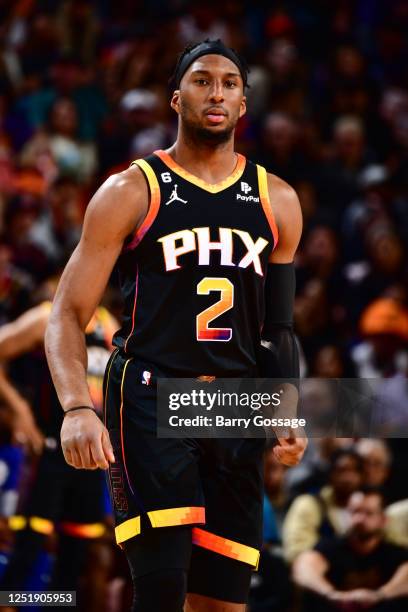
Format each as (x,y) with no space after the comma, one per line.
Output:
(84,91)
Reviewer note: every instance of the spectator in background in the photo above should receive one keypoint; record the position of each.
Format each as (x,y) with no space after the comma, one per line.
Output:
(201,22)
(311,517)
(332,362)
(312,474)
(78,29)
(347,157)
(384,327)
(287,73)
(397,523)
(60,143)
(377,462)
(58,228)
(138,112)
(15,285)
(359,570)
(308,201)
(280,147)
(320,289)
(376,458)
(373,203)
(385,266)
(21,214)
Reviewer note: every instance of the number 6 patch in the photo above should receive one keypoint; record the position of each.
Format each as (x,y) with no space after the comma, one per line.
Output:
(166,177)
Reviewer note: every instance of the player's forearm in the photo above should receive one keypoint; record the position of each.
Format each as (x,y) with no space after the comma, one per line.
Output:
(398,585)
(67,358)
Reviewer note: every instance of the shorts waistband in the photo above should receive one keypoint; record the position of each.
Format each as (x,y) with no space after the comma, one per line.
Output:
(148,375)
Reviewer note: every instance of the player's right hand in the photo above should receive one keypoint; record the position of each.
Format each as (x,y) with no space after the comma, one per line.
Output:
(85,441)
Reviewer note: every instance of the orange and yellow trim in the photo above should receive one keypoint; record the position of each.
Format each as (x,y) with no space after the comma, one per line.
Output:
(127,530)
(35,523)
(83,530)
(171,517)
(154,202)
(266,204)
(191,178)
(41,525)
(17,522)
(225,547)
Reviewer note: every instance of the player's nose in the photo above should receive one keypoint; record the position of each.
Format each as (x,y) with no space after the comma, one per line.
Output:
(217,92)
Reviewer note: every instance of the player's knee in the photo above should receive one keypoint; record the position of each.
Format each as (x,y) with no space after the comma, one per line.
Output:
(161,591)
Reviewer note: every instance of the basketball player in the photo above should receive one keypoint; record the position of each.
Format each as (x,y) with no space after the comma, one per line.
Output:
(59,497)
(195,232)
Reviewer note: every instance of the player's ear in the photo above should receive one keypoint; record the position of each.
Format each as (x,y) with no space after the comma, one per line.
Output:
(175,101)
(242,109)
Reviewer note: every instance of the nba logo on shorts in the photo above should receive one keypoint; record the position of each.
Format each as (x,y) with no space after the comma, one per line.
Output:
(146,376)
(245,187)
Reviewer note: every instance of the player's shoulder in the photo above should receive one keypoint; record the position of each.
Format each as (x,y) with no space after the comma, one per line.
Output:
(280,188)
(287,211)
(126,181)
(123,198)
(284,200)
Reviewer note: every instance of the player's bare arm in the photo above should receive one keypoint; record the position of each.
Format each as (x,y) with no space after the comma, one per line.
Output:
(286,208)
(16,338)
(116,210)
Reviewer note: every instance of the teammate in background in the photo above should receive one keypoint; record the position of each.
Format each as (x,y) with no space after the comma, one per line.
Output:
(204,280)
(59,497)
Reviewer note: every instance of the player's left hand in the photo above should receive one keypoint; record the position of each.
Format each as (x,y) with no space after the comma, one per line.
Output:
(291,447)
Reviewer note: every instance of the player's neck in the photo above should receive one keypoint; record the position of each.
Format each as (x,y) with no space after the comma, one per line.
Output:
(210,163)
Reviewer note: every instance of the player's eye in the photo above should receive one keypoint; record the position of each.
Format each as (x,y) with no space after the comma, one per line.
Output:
(202,81)
(230,84)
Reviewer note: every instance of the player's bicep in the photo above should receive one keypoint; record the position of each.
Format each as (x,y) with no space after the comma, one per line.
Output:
(288,213)
(84,280)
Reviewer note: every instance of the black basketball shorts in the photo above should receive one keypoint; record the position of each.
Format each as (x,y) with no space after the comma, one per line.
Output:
(214,485)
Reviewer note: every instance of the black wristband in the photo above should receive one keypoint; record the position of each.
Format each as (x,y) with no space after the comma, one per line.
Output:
(79,408)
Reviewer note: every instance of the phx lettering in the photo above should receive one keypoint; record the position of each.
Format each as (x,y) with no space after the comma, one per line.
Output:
(198,239)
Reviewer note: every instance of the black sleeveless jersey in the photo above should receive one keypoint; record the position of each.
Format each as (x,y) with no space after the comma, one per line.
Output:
(193,274)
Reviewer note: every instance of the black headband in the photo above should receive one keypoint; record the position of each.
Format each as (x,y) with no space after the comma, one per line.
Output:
(209,47)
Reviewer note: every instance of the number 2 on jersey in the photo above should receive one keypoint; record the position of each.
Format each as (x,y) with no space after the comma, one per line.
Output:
(204,287)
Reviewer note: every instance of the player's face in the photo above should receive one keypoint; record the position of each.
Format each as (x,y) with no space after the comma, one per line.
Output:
(210,99)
